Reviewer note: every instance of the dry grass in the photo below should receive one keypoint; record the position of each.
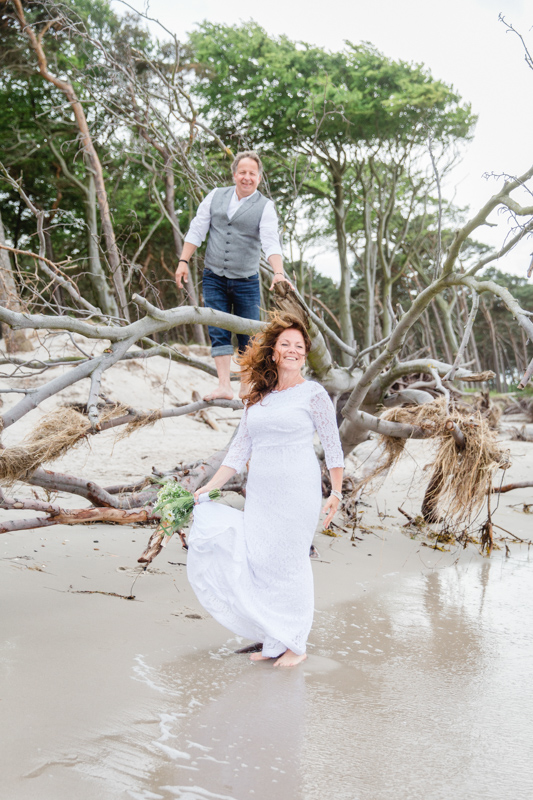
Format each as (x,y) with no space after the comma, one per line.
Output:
(138,421)
(461,477)
(56,433)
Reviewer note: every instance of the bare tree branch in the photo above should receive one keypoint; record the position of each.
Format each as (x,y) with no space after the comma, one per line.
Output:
(480,218)
(468,332)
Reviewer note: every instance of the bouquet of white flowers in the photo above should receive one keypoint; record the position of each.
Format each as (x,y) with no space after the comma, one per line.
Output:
(175,505)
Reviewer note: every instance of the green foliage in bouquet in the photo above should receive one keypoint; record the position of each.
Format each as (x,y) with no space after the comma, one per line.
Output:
(175,505)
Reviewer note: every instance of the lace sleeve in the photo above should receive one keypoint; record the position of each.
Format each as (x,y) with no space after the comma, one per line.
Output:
(241,447)
(323,416)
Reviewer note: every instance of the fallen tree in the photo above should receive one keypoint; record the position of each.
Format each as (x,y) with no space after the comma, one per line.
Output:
(169,127)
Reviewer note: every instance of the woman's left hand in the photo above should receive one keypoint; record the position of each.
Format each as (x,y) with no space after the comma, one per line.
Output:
(330,508)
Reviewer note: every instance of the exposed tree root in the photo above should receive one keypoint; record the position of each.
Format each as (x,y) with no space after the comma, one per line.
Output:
(435,486)
(466,458)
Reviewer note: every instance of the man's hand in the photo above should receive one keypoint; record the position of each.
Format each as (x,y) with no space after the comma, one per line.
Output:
(276,262)
(278,277)
(182,273)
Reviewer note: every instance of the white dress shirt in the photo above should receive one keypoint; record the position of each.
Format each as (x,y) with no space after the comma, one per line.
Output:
(268,227)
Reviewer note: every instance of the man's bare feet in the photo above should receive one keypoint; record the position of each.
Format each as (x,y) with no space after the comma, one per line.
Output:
(289,659)
(259,657)
(220,393)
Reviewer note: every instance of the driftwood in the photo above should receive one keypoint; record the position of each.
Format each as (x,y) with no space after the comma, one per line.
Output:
(123,505)
(204,415)
(59,482)
(508,487)
(80,516)
(192,479)
(156,542)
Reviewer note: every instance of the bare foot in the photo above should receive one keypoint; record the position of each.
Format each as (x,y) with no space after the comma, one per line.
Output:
(219,394)
(259,657)
(289,659)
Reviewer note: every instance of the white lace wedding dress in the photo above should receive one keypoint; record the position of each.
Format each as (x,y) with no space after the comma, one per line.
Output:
(250,569)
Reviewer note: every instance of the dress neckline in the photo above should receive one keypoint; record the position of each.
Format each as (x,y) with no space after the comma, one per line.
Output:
(288,389)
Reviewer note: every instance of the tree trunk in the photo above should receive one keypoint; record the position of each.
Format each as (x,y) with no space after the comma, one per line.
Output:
(449,331)
(447,351)
(105,298)
(495,352)
(370,265)
(170,193)
(430,339)
(345,282)
(9,298)
(472,341)
(90,153)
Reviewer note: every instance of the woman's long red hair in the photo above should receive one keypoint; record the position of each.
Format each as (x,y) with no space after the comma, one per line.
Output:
(258,369)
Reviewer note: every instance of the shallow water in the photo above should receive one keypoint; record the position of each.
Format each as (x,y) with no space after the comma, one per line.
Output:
(421,690)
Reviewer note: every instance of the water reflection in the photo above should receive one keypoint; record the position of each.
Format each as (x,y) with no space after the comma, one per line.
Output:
(439,704)
(244,737)
(421,690)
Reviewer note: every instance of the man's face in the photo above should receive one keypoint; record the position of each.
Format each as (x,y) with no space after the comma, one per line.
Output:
(246,177)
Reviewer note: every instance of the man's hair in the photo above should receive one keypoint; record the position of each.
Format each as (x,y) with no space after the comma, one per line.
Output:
(246,154)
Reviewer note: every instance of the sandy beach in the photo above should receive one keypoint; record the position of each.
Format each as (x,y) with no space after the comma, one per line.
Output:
(416,684)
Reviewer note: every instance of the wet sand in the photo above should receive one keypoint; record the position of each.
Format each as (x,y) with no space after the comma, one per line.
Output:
(417,683)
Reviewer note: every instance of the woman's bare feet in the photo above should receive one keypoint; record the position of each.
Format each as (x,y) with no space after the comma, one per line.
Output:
(259,657)
(289,659)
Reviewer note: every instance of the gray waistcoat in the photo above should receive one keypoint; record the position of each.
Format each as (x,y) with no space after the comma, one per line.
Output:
(234,246)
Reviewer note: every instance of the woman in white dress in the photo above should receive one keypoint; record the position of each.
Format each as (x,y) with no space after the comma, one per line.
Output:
(250,569)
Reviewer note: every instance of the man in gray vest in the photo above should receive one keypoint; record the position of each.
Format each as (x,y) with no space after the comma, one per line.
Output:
(241,222)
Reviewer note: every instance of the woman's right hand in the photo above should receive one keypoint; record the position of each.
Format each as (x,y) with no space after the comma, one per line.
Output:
(221,476)
(200,491)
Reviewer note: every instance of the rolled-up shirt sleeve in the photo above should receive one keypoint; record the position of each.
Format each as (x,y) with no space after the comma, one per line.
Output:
(268,231)
(199,227)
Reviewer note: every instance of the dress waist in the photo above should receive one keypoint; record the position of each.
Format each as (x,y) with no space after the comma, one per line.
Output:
(289,446)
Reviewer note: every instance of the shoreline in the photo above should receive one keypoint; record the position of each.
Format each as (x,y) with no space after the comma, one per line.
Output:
(89,677)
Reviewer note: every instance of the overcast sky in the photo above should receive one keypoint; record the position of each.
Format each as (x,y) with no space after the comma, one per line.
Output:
(460,41)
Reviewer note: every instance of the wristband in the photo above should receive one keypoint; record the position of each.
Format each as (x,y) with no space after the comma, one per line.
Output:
(182,261)
(335,493)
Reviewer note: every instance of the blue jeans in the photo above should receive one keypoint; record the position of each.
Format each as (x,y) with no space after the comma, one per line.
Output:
(239,296)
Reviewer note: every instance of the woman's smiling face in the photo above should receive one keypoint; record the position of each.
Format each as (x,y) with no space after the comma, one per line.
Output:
(289,350)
